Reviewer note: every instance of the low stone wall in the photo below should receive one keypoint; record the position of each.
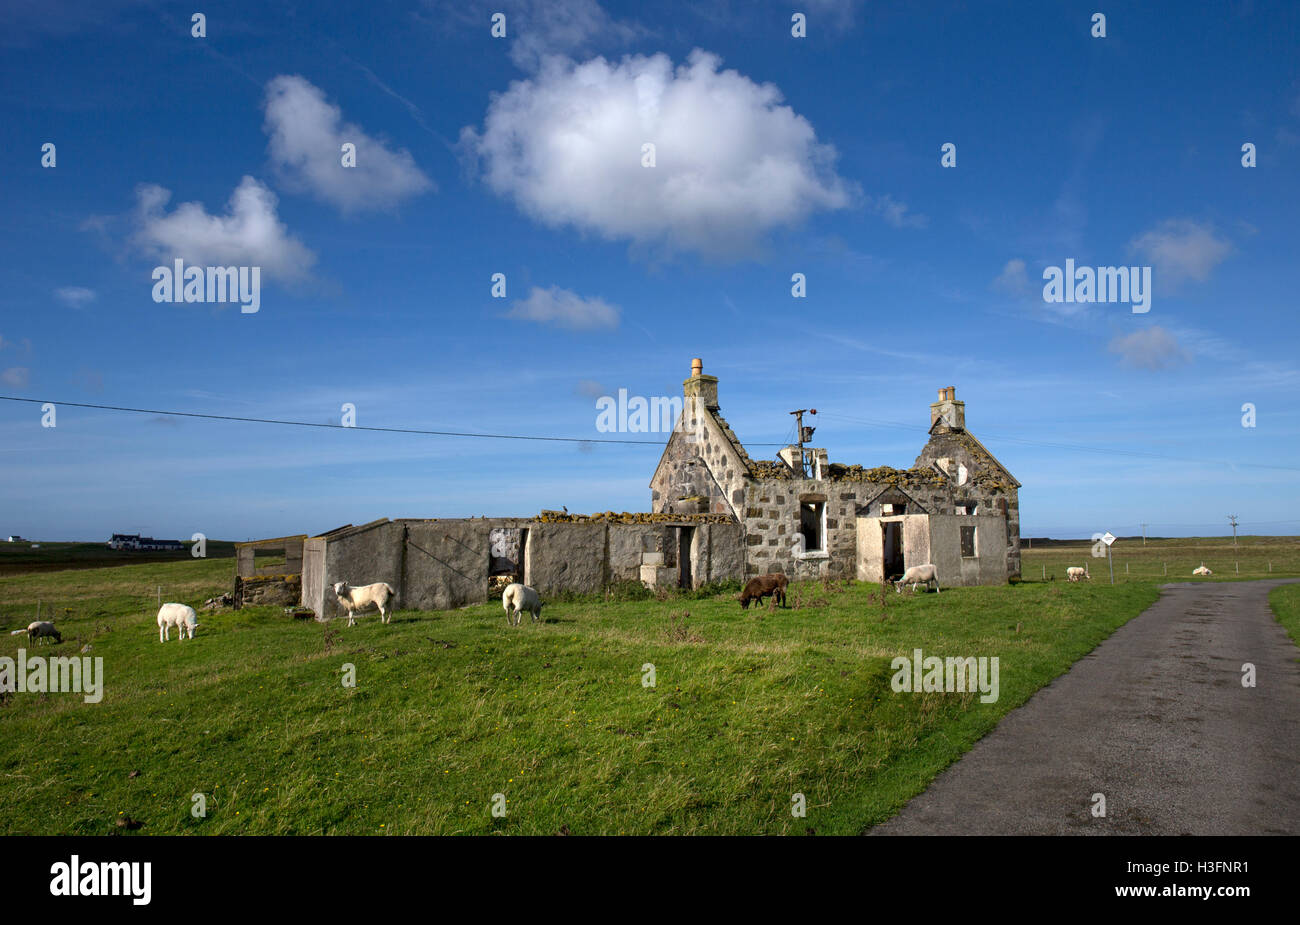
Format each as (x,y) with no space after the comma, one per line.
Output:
(444,564)
(283,590)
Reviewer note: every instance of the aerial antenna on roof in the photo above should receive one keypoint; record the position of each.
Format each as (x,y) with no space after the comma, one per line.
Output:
(804,435)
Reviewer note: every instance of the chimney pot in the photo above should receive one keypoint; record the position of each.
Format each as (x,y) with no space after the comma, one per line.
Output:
(943,393)
(697,366)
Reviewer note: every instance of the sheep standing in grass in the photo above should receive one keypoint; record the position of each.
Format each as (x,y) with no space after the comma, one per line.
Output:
(1074,573)
(919,575)
(516,599)
(363,597)
(181,616)
(41,629)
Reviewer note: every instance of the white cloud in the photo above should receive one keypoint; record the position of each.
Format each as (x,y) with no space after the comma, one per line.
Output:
(306,139)
(1013,279)
(731,161)
(565,308)
(548,27)
(1180,249)
(590,388)
(76,296)
(896,213)
(1150,348)
(16,376)
(837,14)
(249,234)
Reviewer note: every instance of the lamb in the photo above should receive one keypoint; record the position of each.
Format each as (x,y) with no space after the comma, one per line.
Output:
(516,599)
(1202,570)
(181,616)
(758,588)
(1074,573)
(40,629)
(918,575)
(363,597)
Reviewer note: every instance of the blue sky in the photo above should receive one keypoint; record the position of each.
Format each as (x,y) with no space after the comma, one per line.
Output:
(521,155)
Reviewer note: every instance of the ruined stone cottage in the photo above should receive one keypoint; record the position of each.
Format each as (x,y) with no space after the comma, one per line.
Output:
(717,514)
(808,517)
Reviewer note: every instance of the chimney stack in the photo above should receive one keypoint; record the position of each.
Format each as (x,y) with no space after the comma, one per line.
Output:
(947,414)
(701,386)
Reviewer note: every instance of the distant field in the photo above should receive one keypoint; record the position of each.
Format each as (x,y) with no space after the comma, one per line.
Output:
(1168,559)
(19,558)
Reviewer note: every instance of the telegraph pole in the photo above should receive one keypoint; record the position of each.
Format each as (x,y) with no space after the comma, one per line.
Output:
(1144,534)
(1232,519)
(804,434)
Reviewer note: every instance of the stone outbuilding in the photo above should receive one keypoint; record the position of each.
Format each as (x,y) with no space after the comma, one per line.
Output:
(808,517)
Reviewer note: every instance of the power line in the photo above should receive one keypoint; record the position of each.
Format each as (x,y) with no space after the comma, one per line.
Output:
(388,430)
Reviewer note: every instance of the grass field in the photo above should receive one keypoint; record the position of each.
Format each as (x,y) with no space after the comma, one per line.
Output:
(20,558)
(451,708)
(1164,560)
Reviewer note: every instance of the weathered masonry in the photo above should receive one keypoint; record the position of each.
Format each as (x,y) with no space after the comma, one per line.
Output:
(441,564)
(808,517)
(269,571)
(717,514)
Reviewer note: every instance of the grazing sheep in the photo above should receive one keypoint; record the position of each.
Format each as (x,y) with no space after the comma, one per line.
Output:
(918,575)
(41,629)
(1074,573)
(363,597)
(181,616)
(516,599)
(761,586)
(1202,570)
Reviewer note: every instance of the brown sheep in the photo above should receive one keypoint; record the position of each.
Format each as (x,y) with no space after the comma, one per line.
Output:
(760,587)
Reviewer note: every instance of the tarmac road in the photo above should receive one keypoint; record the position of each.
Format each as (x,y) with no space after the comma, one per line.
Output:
(1156,719)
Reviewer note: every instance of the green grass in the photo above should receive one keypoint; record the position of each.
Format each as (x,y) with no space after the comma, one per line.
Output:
(1163,560)
(450,708)
(18,558)
(1285,602)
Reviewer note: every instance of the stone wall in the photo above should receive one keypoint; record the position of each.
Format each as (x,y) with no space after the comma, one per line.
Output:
(700,461)
(444,564)
(771,523)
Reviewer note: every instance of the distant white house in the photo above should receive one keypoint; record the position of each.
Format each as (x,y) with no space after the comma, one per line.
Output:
(15,538)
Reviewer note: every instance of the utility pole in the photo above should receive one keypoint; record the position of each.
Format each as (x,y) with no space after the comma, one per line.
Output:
(803,435)
(1232,519)
(1144,534)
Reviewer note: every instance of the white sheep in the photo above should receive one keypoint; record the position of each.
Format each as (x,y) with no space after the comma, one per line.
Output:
(1202,570)
(363,597)
(40,629)
(919,575)
(1074,573)
(181,616)
(516,599)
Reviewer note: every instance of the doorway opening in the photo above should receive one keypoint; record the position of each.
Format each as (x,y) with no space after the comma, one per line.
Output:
(684,537)
(891,544)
